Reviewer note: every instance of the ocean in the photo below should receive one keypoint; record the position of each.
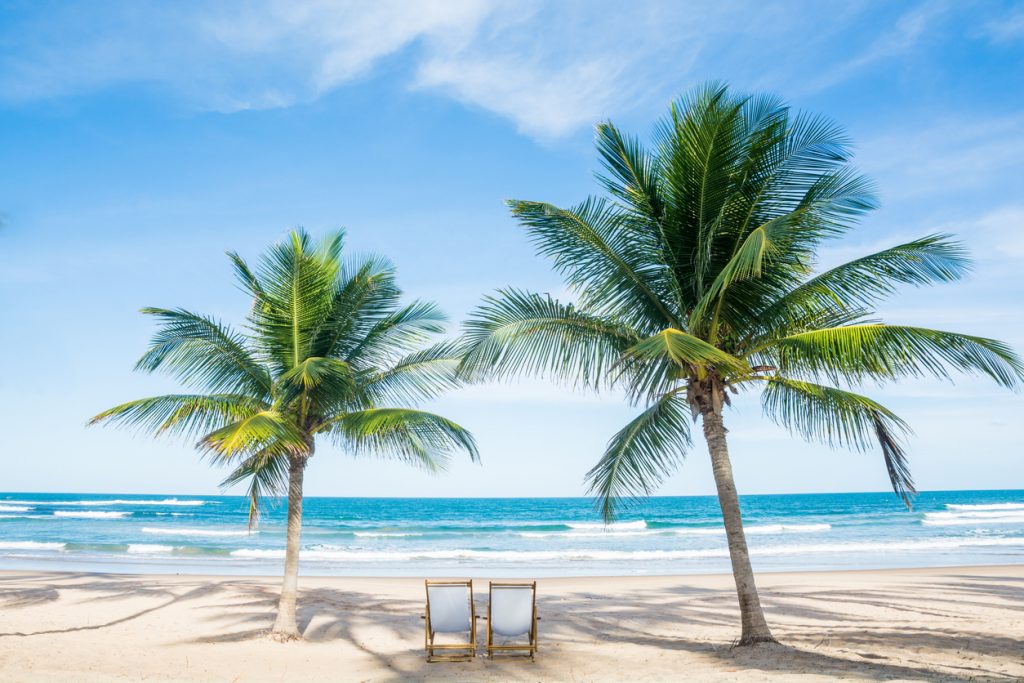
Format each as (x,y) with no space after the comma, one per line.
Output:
(503,537)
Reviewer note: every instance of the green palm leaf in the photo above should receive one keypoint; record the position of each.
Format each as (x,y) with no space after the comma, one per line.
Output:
(187,415)
(365,294)
(267,474)
(418,377)
(841,418)
(413,436)
(203,353)
(400,332)
(642,454)
(316,379)
(885,352)
(685,350)
(518,333)
(267,430)
(868,279)
(596,251)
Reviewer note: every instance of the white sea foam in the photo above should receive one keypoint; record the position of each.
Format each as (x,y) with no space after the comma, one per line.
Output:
(766,529)
(786,528)
(30,545)
(105,503)
(1000,516)
(987,506)
(593,534)
(195,532)
(14,508)
(90,514)
(385,534)
(615,526)
(149,549)
(327,553)
(260,554)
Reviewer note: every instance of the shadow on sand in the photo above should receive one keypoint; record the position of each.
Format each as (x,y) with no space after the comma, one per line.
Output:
(835,633)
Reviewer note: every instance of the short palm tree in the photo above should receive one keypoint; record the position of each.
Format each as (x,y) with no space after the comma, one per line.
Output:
(327,350)
(695,281)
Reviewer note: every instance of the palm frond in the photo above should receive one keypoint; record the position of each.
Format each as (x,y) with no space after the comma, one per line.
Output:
(844,419)
(592,246)
(187,415)
(642,454)
(398,333)
(886,352)
(685,350)
(318,379)
(518,333)
(267,430)
(298,280)
(412,436)
(201,352)
(631,173)
(365,294)
(417,377)
(267,473)
(864,281)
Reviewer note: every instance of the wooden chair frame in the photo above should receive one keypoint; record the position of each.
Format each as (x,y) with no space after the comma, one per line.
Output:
(531,647)
(451,652)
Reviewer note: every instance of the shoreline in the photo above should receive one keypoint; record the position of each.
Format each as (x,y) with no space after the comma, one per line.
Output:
(947,623)
(1007,566)
(561,537)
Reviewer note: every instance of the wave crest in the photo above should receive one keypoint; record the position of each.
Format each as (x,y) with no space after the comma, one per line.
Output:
(196,532)
(91,514)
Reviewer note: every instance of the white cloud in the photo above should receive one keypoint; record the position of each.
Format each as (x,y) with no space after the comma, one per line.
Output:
(1006,29)
(541,102)
(950,153)
(342,40)
(549,67)
(903,37)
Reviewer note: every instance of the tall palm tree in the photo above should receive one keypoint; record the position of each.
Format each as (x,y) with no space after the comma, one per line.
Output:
(695,281)
(327,350)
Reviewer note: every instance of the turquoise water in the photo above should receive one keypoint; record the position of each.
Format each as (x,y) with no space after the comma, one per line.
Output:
(506,536)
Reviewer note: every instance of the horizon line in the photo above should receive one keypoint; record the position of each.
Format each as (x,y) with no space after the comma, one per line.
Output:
(708,495)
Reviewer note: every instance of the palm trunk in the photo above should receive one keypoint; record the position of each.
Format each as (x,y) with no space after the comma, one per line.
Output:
(755,628)
(285,627)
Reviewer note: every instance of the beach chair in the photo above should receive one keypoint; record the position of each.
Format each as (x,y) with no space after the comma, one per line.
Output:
(511,614)
(450,610)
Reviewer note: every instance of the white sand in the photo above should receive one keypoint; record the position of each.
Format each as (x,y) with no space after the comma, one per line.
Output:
(930,624)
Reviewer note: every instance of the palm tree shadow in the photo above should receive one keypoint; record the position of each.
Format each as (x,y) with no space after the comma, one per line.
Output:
(828,637)
(97,587)
(832,632)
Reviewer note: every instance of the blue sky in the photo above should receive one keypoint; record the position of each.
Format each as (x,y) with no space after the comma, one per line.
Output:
(140,141)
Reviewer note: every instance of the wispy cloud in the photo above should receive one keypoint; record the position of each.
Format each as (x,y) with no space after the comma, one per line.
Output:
(952,153)
(1006,29)
(549,67)
(222,56)
(898,40)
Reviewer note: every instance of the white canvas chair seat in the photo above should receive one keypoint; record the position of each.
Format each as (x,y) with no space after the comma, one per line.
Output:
(450,610)
(512,614)
(512,610)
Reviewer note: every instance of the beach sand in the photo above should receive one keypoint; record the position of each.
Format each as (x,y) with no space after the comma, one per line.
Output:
(912,624)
